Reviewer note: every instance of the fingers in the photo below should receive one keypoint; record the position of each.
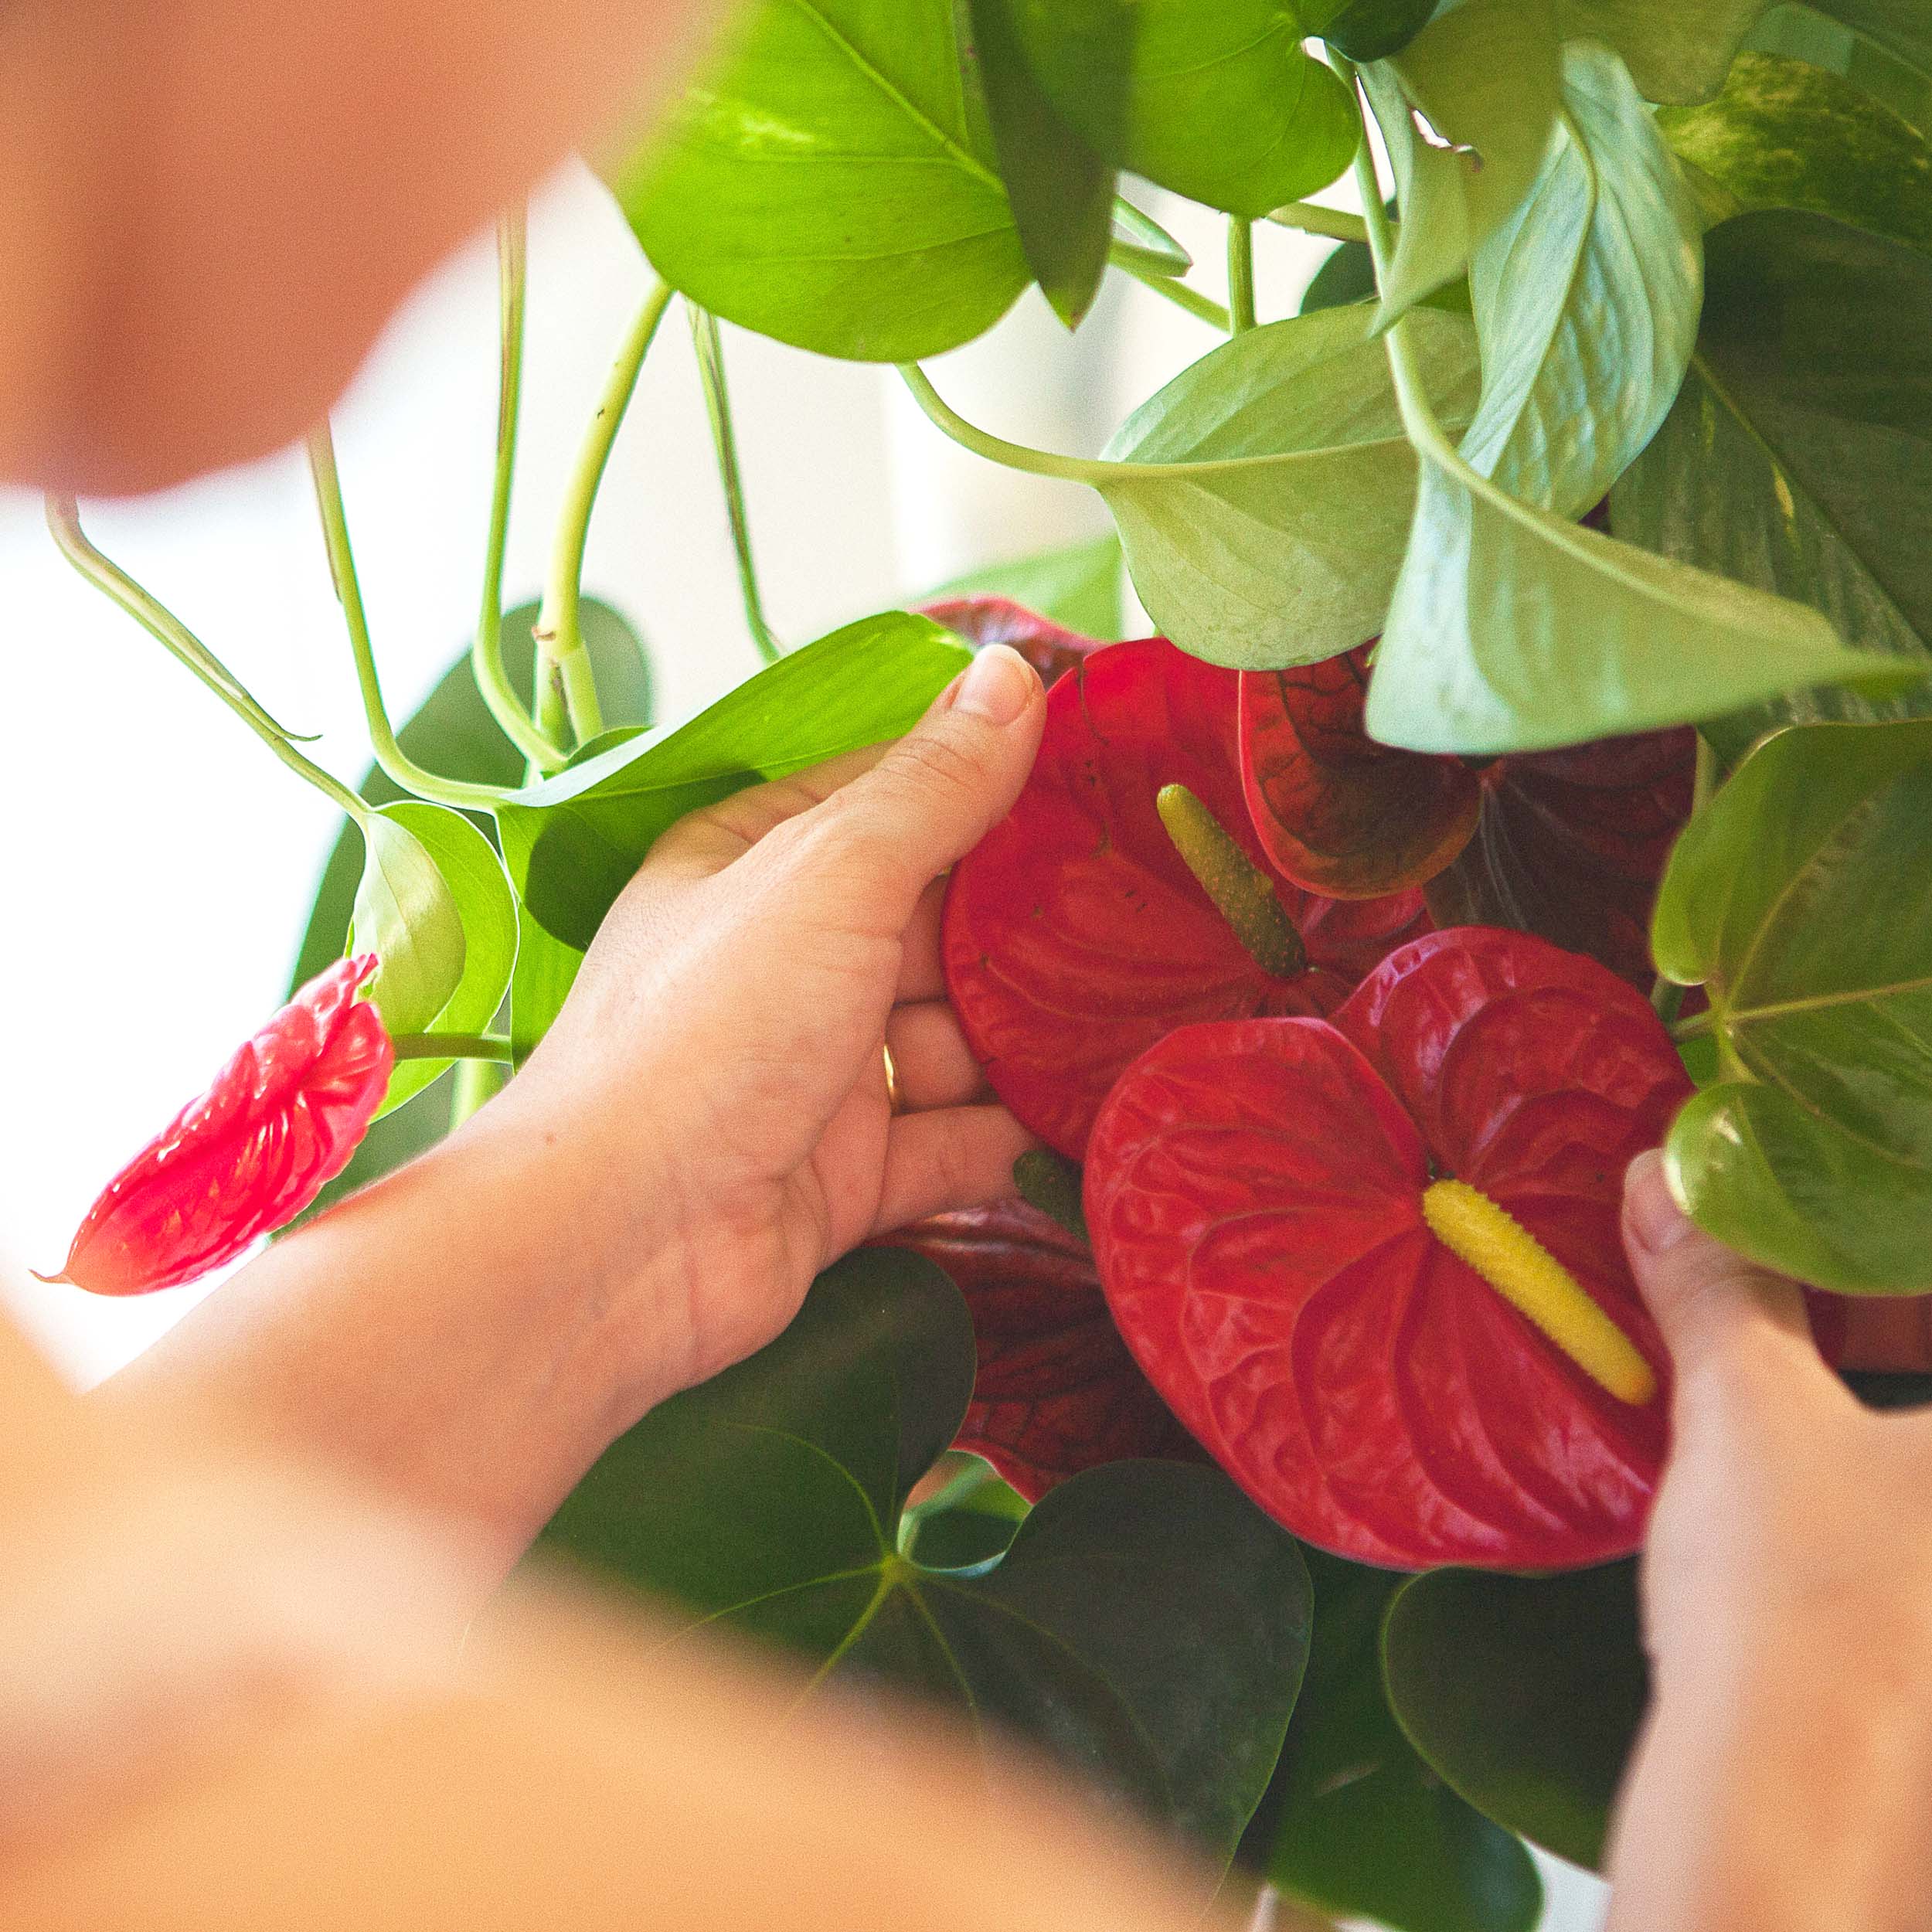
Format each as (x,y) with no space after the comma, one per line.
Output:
(935,1066)
(706,842)
(1718,1313)
(921,973)
(959,1157)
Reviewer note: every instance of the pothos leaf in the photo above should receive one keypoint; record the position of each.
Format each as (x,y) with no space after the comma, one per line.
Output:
(1677,53)
(1799,899)
(1367,29)
(1797,468)
(406,915)
(1524,1694)
(1215,99)
(1147,1625)
(831,183)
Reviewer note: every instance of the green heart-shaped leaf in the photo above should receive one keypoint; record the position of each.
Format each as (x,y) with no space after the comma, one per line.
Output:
(1362,1827)
(405,914)
(1795,465)
(573,841)
(1215,99)
(1800,897)
(1369,30)
(1678,50)
(1523,1693)
(1147,1625)
(831,183)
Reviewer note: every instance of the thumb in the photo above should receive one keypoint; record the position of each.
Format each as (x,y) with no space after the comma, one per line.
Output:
(938,791)
(1715,1309)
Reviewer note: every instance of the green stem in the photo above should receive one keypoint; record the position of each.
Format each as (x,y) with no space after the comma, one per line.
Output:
(1704,781)
(1697,1025)
(401,769)
(63,520)
(486,655)
(476,1083)
(563,660)
(1242,894)
(1240,276)
(1311,220)
(452,1047)
(717,402)
(1154,241)
(1149,270)
(977,1475)
(1012,456)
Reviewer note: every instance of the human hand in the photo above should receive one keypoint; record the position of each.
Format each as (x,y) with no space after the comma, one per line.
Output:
(719,1059)
(1783,1775)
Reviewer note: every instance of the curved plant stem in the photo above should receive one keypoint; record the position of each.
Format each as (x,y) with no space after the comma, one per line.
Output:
(63,520)
(1153,238)
(400,767)
(561,660)
(486,655)
(1311,220)
(1697,1023)
(717,402)
(1011,456)
(1151,271)
(452,1047)
(1240,275)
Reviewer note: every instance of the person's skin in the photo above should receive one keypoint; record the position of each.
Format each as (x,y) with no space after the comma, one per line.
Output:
(1784,1776)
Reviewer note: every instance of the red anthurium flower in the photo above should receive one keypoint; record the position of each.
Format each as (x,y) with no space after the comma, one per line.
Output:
(1057,1391)
(1076,934)
(1566,844)
(1051,649)
(280,1121)
(1373,1262)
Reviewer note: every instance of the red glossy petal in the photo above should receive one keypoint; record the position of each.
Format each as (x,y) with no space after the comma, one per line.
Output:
(1075,936)
(1337,812)
(280,1121)
(1570,846)
(1057,1390)
(1050,649)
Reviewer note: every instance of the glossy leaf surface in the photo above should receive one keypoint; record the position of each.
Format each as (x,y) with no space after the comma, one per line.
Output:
(1363,1383)
(1147,1627)
(1263,495)
(1524,1693)
(1793,466)
(1215,99)
(831,183)
(1363,1827)
(1074,936)
(1370,30)
(1056,1391)
(281,1118)
(1801,900)
(407,917)
(573,842)
(1077,586)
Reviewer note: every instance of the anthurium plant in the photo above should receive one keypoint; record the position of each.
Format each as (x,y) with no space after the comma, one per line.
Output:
(1529,762)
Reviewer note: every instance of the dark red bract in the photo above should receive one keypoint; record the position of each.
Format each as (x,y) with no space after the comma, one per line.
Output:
(1075,936)
(1569,844)
(1057,1390)
(1255,1192)
(1050,649)
(279,1123)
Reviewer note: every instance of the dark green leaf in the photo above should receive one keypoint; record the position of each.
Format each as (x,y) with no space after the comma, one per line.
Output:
(1347,276)
(546,969)
(1785,134)
(1902,29)
(1263,496)
(573,842)
(1799,457)
(1052,1183)
(1801,897)
(1363,1827)
(1677,50)
(1148,1625)
(1525,1693)
(1062,192)
(1215,99)
(1077,587)
(1371,29)
(831,183)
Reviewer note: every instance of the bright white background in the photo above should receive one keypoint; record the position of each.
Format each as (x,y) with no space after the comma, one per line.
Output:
(160,861)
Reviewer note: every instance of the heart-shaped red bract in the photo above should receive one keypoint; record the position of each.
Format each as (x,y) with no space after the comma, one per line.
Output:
(1569,844)
(1075,936)
(1057,1390)
(1254,1191)
(280,1122)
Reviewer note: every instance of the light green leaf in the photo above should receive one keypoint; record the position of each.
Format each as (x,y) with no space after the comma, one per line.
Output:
(831,183)
(573,842)
(473,875)
(1676,50)
(1800,898)
(1586,299)
(1798,458)
(1077,587)
(1484,75)
(406,915)
(546,969)
(1215,99)
(1262,494)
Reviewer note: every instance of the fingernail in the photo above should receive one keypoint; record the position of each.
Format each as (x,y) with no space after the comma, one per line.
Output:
(998,685)
(1652,1216)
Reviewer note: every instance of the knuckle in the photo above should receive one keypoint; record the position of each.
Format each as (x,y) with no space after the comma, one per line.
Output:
(934,760)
